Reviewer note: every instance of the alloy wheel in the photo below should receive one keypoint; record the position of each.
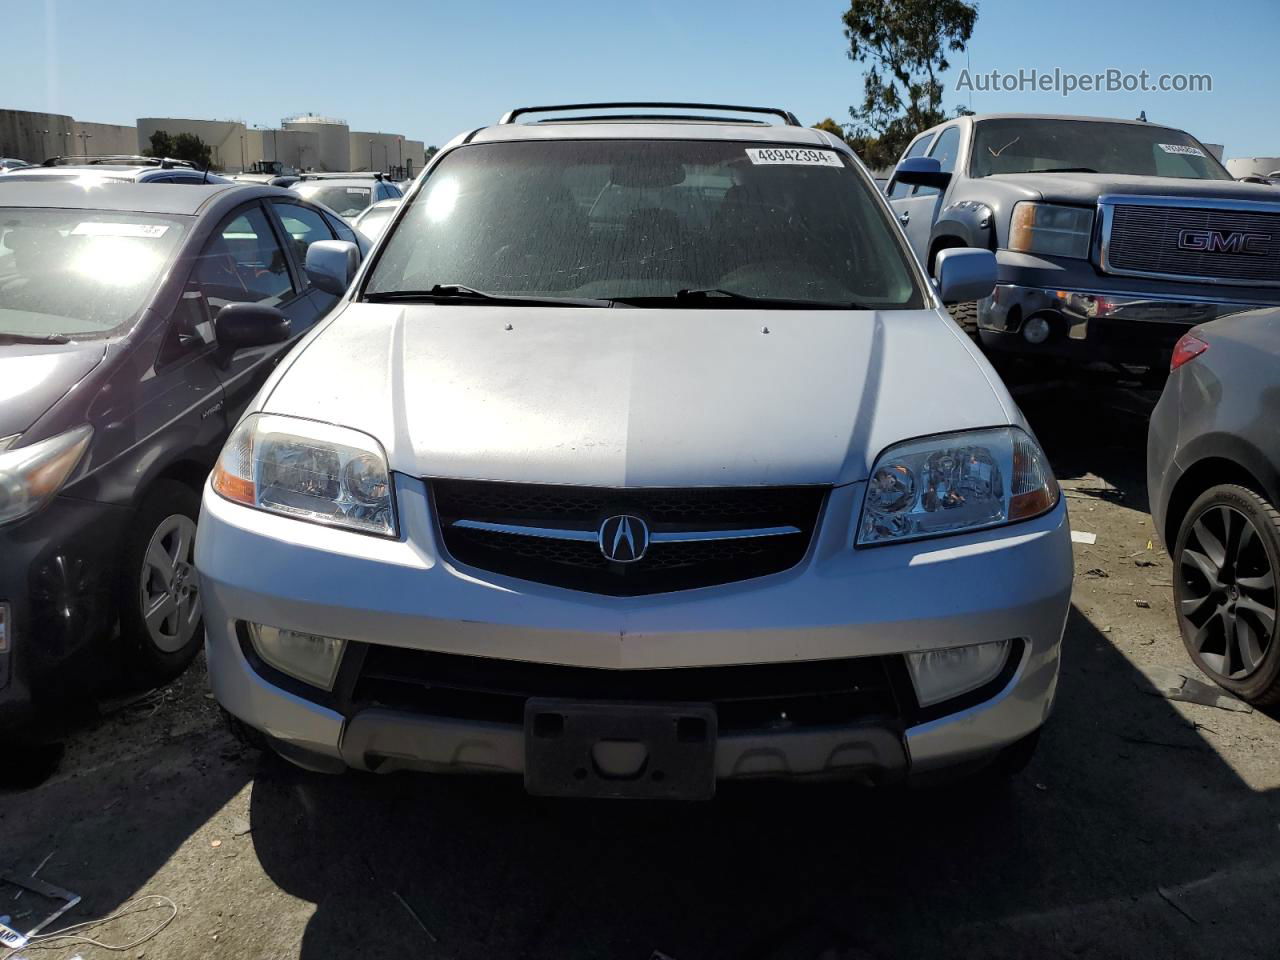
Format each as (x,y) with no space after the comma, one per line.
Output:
(170,595)
(1226,593)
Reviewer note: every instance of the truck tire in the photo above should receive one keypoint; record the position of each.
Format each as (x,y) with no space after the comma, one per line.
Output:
(966,317)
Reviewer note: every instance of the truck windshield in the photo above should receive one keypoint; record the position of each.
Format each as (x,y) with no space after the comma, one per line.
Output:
(1031,145)
(79,273)
(641,221)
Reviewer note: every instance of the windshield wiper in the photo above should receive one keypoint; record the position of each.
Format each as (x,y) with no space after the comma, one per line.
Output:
(719,297)
(1062,170)
(460,293)
(30,338)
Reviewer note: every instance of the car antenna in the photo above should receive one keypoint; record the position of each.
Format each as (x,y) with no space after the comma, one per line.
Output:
(207,163)
(1143,116)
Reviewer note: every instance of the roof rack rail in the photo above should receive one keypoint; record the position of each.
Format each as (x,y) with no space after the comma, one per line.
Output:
(786,116)
(164,163)
(350,175)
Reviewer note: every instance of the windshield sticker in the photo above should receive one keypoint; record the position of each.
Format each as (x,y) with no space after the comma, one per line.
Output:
(99,228)
(358,191)
(1181,150)
(800,158)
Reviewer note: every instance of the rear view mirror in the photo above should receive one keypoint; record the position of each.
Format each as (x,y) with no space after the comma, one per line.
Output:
(332,264)
(921,172)
(239,326)
(965,273)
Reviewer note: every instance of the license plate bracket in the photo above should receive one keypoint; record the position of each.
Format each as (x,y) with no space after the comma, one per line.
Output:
(620,750)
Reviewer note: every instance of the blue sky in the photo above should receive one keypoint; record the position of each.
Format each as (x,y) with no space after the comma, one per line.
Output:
(445,67)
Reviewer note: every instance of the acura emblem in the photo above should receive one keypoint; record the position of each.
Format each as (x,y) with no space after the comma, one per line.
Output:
(624,539)
(1224,241)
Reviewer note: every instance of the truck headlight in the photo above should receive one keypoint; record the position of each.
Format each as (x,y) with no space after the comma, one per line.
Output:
(1051,229)
(939,675)
(31,475)
(309,471)
(955,483)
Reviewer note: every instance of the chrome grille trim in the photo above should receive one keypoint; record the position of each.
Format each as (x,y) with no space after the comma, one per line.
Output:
(590,536)
(1188,206)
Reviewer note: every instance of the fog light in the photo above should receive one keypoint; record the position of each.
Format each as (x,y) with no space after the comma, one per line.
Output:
(1036,330)
(304,656)
(4,627)
(939,675)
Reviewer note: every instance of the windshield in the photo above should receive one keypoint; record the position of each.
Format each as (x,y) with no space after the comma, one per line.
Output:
(343,200)
(1028,145)
(79,273)
(614,219)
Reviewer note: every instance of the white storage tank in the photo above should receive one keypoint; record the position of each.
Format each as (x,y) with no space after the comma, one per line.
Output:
(1253,166)
(332,140)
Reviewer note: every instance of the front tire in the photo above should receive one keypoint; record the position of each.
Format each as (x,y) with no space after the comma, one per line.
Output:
(1225,559)
(160,612)
(965,315)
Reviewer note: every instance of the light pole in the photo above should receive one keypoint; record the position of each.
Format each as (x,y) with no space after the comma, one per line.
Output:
(371,153)
(402,156)
(242,153)
(84,143)
(43,146)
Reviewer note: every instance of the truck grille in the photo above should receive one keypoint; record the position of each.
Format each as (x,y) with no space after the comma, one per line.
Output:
(1236,246)
(746,697)
(477,520)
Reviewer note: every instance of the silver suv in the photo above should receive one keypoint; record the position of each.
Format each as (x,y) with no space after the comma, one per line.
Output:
(642,455)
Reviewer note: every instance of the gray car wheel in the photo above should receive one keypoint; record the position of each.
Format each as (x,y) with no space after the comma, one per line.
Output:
(1226,558)
(169,595)
(161,615)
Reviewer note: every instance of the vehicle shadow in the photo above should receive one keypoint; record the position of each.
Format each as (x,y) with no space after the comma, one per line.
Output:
(134,786)
(1121,817)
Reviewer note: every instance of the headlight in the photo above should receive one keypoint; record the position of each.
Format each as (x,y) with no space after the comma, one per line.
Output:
(955,483)
(309,471)
(29,476)
(1051,229)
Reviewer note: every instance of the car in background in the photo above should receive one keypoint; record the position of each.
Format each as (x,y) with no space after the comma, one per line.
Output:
(373,219)
(1112,237)
(135,326)
(1213,478)
(125,169)
(641,455)
(346,193)
(12,163)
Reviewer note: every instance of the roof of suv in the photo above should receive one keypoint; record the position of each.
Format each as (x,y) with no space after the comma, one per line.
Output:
(654,120)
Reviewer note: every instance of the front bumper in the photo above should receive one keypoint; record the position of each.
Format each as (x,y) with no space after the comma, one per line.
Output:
(58,576)
(1097,317)
(837,604)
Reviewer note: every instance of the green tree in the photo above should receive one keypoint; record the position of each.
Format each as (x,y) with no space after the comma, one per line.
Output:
(185,146)
(905,44)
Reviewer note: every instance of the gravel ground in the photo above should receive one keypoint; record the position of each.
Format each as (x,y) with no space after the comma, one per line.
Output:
(1142,827)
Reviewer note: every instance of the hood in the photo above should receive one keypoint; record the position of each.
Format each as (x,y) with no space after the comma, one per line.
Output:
(638,397)
(1086,188)
(33,377)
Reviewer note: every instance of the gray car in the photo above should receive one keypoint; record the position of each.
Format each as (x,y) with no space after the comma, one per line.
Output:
(642,456)
(123,169)
(345,193)
(1213,474)
(1113,237)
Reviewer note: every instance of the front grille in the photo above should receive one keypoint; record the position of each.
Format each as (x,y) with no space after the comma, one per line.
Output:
(1145,239)
(580,565)
(750,697)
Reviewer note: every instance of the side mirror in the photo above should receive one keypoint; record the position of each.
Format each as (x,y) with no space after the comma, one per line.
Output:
(332,265)
(239,326)
(921,172)
(965,273)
